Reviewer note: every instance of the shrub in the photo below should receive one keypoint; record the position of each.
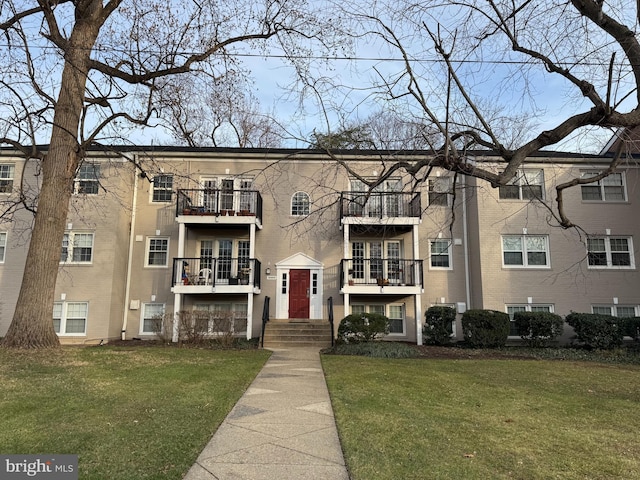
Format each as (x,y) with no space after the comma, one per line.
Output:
(597,331)
(632,328)
(538,329)
(437,329)
(485,328)
(362,327)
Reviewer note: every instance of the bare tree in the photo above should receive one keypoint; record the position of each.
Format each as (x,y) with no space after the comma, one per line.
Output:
(75,71)
(466,65)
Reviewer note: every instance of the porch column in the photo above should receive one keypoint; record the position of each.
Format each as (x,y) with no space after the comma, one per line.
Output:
(177,306)
(249,316)
(181,237)
(418,312)
(252,240)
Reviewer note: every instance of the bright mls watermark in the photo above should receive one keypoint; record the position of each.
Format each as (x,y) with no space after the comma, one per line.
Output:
(49,467)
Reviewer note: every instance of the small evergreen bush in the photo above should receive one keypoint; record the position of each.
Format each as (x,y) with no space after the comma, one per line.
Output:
(538,329)
(437,329)
(485,328)
(376,350)
(362,327)
(597,331)
(632,328)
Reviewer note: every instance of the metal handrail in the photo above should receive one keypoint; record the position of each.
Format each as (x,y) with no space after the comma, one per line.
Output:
(330,303)
(265,319)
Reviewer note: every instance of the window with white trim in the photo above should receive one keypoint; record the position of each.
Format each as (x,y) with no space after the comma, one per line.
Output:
(3,245)
(439,191)
(529,251)
(621,311)
(152,314)
(221,318)
(6,177)
(162,189)
(77,247)
(87,179)
(525,185)
(394,312)
(157,252)
(440,257)
(610,252)
(511,309)
(70,318)
(611,188)
(300,204)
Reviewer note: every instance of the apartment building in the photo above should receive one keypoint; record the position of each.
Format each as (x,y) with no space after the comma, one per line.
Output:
(244,233)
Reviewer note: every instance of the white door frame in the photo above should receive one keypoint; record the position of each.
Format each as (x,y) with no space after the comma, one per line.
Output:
(299,261)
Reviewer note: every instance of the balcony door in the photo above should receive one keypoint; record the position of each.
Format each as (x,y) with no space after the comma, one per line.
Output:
(380,203)
(376,259)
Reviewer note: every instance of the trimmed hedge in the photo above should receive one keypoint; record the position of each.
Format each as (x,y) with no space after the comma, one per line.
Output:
(632,328)
(362,327)
(597,331)
(437,329)
(538,329)
(485,328)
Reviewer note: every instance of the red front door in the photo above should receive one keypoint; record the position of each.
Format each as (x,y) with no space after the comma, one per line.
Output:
(299,281)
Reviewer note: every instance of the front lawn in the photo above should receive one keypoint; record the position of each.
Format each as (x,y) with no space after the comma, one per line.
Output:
(129,413)
(481,419)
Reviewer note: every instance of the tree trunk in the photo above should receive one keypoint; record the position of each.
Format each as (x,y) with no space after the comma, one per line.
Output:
(32,324)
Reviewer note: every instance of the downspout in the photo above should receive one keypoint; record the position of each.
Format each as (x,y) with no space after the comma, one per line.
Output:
(127,290)
(465,234)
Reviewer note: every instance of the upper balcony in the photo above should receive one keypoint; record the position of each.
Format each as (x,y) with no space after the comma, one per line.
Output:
(216,275)
(376,275)
(211,206)
(377,208)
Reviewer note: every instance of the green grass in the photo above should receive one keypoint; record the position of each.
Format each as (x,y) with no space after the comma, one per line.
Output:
(129,413)
(486,419)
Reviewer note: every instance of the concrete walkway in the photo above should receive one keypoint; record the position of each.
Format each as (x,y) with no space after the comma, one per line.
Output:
(282,427)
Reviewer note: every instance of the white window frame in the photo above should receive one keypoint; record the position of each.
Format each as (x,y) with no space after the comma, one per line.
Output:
(87,177)
(300,204)
(439,188)
(522,180)
(161,188)
(608,253)
(524,251)
(238,310)
(525,307)
(145,317)
(71,247)
(148,252)
(385,310)
(64,317)
(613,309)
(448,254)
(7,173)
(3,246)
(602,186)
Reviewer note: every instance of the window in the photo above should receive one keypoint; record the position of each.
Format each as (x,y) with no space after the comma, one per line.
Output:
(86,181)
(300,204)
(152,314)
(221,318)
(608,189)
(162,188)
(621,311)
(394,312)
(511,309)
(525,251)
(6,178)
(610,252)
(157,251)
(70,318)
(3,245)
(526,185)
(439,191)
(77,248)
(441,253)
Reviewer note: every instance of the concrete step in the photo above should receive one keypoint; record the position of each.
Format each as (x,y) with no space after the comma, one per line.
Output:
(297,333)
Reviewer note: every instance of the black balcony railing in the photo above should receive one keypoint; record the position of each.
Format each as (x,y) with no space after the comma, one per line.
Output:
(380,204)
(382,272)
(208,201)
(212,271)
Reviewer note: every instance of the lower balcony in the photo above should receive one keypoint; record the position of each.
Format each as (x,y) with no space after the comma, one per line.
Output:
(376,275)
(216,275)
